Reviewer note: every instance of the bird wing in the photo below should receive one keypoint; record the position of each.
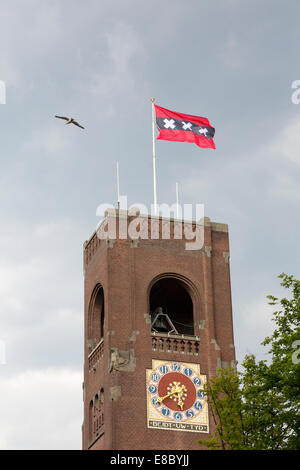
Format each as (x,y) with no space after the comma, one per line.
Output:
(76,124)
(62,117)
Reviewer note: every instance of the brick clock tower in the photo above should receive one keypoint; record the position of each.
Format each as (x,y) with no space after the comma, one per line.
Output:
(158,324)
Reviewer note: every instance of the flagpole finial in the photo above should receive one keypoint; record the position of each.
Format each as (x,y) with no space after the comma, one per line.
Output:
(152,99)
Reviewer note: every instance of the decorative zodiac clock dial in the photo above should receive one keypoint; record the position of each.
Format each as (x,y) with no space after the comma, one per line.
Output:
(175,397)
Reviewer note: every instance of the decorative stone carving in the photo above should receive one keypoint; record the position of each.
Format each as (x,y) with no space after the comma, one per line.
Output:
(208,250)
(121,360)
(115,392)
(134,243)
(133,336)
(217,347)
(110,242)
(91,343)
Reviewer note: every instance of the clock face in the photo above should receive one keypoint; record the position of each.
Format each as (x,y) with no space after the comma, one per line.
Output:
(175,397)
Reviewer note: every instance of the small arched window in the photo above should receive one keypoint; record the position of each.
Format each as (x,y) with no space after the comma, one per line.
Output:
(101,401)
(101,398)
(171,307)
(96,415)
(91,421)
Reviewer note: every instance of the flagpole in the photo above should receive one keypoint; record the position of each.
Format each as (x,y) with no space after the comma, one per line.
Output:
(118,185)
(177,201)
(154,157)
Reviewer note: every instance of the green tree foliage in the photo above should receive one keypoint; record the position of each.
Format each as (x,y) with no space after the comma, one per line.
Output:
(259,407)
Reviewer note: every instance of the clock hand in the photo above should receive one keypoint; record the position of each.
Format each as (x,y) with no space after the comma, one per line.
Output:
(178,395)
(160,399)
(177,390)
(180,402)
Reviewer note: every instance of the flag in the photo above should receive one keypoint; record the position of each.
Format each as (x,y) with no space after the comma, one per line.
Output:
(184,128)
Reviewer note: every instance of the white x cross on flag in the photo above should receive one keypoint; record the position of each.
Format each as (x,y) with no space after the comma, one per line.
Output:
(169,123)
(186,125)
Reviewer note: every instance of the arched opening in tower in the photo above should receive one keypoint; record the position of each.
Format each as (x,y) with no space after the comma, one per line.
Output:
(171,307)
(96,317)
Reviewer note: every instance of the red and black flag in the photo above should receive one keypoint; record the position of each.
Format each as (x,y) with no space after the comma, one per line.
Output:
(184,128)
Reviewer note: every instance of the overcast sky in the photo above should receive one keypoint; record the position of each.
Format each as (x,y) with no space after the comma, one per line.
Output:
(231,61)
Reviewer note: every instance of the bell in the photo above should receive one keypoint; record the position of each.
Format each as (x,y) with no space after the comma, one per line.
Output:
(161,323)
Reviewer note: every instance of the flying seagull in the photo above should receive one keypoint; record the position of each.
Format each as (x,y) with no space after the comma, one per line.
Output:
(70,121)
